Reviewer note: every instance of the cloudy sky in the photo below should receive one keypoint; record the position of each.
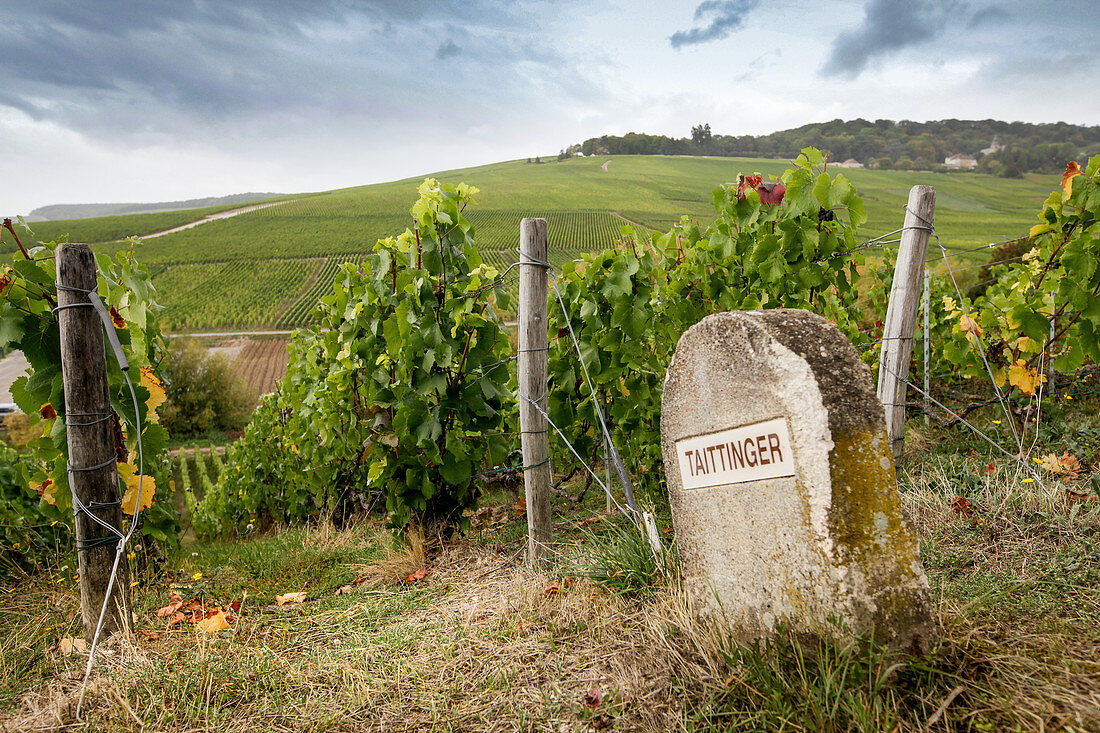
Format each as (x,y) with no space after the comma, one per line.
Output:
(121,100)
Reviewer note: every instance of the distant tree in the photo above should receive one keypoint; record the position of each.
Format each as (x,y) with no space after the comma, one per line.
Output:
(700,134)
(538,159)
(528,160)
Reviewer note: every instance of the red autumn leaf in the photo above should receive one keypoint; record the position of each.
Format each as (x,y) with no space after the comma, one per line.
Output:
(521,507)
(117,319)
(418,575)
(771,192)
(177,617)
(47,412)
(235,606)
(551,590)
(149,635)
(593,697)
(990,469)
(1072,170)
(743,181)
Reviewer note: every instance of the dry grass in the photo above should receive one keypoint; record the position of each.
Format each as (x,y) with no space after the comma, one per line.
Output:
(484,644)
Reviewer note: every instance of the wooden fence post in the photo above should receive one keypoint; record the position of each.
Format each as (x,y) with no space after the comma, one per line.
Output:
(901,314)
(90,435)
(532,384)
(927,343)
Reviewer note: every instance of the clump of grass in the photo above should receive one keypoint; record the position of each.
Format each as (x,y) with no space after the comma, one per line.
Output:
(824,683)
(401,557)
(620,560)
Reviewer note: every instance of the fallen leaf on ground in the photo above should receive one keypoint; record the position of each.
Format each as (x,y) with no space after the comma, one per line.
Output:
(418,575)
(149,635)
(299,597)
(965,508)
(68,645)
(216,622)
(177,617)
(593,697)
(521,507)
(175,602)
(990,469)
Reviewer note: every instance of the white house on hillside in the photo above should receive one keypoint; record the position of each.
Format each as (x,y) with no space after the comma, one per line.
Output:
(960,160)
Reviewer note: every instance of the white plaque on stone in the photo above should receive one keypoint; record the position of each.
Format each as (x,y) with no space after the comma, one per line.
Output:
(748,453)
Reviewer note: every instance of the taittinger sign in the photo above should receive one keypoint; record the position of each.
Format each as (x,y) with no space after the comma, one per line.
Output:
(747,453)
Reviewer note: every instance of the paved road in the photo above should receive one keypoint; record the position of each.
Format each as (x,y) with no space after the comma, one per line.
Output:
(212,217)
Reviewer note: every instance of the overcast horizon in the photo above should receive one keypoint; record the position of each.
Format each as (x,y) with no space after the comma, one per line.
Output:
(178,99)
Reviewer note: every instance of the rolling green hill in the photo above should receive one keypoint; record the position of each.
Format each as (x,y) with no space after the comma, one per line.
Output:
(233,260)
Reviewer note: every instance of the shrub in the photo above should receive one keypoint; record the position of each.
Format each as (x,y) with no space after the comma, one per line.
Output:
(203,394)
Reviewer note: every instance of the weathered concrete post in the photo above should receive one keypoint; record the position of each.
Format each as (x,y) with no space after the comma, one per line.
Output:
(782,484)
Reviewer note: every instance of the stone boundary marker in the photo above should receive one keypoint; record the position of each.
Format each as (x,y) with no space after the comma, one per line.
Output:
(782,484)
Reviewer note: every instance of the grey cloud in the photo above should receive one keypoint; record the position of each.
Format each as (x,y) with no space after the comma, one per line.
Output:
(988,16)
(1002,31)
(156,69)
(447,49)
(888,26)
(725,17)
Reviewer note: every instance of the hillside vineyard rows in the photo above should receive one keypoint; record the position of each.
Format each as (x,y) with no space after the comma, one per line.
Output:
(267,268)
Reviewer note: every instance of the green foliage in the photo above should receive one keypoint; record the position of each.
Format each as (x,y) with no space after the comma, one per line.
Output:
(27,539)
(905,144)
(28,323)
(394,395)
(235,294)
(628,307)
(202,392)
(1057,282)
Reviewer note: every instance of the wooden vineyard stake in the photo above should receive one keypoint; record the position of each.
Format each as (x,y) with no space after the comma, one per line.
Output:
(93,476)
(901,315)
(532,385)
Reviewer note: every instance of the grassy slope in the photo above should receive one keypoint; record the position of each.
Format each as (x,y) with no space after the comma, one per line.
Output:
(576,195)
(483,644)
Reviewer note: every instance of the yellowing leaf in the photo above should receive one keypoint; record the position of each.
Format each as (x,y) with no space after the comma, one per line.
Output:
(129,475)
(1039,229)
(299,597)
(966,323)
(999,379)
(949,304)
(1026,345)
(1023,378)
(1063,465)
(152,382)
(215,622)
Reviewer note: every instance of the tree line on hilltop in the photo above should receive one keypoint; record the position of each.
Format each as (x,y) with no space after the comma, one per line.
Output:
(1007,149)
